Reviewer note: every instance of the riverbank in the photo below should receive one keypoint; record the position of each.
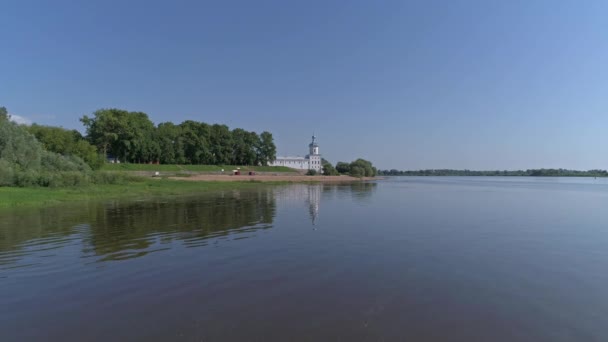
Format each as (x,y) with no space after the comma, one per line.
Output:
(163,168)
(272,178)
(12,197)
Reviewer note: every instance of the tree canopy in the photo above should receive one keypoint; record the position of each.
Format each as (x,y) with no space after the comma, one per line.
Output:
(67,143)
(357,168)
(132,137)
(3,113)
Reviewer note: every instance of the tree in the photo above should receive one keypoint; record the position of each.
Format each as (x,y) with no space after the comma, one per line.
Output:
(243,151)
(125,135)
(328,169)
(4,114)
(171,145)
(268,150)
(221,144)
(362,168)
(106,130)
(67,143)
(343,168)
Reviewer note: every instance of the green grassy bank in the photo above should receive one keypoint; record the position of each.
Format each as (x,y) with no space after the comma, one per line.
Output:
(191,168)
(11,197)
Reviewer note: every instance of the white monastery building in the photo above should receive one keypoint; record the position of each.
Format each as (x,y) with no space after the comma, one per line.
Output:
(312,161)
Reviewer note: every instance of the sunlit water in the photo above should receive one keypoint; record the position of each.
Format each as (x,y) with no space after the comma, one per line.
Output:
(417,259)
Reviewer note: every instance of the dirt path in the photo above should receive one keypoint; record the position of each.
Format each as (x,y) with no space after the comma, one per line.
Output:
(271,178)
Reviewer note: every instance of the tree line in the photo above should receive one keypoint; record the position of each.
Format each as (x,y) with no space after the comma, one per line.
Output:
(505,173)
(133,137)
(39,155)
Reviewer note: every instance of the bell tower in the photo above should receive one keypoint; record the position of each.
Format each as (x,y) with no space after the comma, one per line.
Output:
(313,147)
(314,158)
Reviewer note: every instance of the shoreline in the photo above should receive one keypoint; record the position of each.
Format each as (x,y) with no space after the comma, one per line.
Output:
(272,178)
(15,197)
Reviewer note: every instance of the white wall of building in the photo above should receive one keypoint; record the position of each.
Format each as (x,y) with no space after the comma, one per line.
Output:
(311,162)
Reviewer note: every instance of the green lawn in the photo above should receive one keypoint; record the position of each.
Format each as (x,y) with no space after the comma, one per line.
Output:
(20,197)
(191,168)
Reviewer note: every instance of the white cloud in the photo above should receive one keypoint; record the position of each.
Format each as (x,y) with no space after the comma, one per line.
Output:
(20,119)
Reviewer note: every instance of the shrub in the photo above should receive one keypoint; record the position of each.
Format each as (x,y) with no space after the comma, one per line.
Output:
(113,178)
(311,172)
(7,174)
(362,168)
(343,167)
(53,162)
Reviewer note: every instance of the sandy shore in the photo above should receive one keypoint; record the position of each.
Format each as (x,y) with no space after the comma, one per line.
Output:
(272,178)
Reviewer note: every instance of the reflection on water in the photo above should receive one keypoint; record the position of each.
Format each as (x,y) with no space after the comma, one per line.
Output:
(119,230)
(416,259)
(127,229)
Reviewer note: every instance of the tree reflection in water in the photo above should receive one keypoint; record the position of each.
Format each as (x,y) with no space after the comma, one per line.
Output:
(118,230)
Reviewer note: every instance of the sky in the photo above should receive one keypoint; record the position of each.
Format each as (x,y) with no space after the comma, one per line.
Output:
(405,84)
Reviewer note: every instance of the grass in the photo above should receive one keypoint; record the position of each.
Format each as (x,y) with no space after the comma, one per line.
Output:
(22,197)
(191,168)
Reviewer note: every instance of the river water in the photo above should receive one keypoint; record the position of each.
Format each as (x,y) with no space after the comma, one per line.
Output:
(417,259)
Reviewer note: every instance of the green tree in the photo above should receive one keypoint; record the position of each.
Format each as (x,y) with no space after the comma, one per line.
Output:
(196,142)
(67,143)
(268,150)
(4,114)
(362,168)
(170,141)
(328,169)
(221,144)
(125,135)
(343,168)
(243,147)
(107,130)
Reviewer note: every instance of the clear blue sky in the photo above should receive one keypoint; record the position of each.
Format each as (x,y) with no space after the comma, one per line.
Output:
(406,84)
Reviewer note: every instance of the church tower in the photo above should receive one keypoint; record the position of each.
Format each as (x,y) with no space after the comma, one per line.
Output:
(314,158)
(313,147)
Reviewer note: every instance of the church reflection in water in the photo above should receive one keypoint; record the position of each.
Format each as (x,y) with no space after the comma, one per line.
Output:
(118,230)
(310,195)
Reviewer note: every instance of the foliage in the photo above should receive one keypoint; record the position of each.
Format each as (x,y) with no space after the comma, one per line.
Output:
(267,150)
(132,137)
(24,161)
(67,143)
(343,168)
(4,114)
(530,173)
(19,148)
(362,168)
(328,169)
(311,172)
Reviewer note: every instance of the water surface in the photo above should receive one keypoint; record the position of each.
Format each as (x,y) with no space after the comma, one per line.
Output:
(432,259)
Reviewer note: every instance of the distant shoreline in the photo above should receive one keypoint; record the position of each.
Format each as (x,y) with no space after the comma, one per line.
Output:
(514,176)
(497,173)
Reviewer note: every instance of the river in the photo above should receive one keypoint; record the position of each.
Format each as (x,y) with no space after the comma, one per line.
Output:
(406,258)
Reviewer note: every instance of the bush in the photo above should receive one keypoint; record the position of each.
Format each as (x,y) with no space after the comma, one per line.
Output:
(328,169)
(113,178)
(26,178)
(343,167)
(53,162)
(63,179)
(311,172)
(362,168)
(7,174)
